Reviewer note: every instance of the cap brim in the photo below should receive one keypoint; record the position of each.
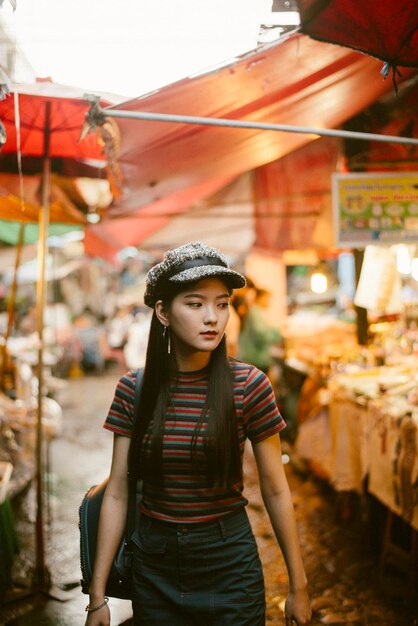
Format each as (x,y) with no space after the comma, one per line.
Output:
(235,280)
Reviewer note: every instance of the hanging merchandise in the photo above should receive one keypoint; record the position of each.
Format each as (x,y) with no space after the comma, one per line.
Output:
(379,288)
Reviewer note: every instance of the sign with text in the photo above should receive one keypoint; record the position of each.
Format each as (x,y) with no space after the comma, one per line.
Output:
(375,208)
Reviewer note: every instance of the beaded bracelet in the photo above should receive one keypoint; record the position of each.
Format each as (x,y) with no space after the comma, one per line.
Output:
(99,606)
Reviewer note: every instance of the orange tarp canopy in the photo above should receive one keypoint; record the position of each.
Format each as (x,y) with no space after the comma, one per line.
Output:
(62,209)
(169,167)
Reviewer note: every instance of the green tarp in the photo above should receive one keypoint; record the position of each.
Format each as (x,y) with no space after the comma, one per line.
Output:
(9,231)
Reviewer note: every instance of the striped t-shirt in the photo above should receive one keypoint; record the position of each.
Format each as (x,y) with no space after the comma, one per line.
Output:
(185,494)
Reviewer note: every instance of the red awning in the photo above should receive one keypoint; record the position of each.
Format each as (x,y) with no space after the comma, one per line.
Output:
(168,167)
(68,107)
(386,29)
(294,212)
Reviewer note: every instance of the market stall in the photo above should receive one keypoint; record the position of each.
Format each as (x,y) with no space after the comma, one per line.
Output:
(373,420)
(393,458)
(358,431)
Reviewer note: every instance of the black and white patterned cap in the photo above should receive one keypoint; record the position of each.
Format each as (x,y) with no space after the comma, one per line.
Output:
(188,264)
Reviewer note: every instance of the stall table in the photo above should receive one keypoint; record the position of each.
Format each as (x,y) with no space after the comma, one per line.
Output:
(393,459)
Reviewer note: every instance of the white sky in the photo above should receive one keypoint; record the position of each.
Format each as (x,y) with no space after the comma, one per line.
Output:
(130,47)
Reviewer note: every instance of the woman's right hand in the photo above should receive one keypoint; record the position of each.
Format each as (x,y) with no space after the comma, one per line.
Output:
(101,617)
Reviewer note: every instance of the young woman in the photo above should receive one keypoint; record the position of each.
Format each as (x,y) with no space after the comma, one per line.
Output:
(195,556)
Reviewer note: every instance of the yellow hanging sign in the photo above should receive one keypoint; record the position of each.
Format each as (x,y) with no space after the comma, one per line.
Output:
(379,207)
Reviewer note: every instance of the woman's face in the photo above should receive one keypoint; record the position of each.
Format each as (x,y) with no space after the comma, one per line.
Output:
(197,317)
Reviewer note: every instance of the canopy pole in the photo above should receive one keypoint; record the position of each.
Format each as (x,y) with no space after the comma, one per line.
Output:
(42,580)
(97,113)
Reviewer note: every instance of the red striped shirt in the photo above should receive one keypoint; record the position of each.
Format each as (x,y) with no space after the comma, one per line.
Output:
(185,494)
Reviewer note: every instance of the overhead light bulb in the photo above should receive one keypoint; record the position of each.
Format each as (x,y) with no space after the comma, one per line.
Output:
(93,218)
(319,282)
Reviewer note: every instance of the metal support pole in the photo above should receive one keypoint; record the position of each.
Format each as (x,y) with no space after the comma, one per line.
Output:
(212,121)
(42,579)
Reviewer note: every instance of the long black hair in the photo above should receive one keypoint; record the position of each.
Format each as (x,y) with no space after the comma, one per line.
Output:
(221,443)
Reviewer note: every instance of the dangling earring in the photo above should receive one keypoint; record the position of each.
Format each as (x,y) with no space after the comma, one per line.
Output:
(166,333)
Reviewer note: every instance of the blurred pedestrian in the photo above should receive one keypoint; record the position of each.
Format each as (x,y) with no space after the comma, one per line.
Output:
(195,557)
(94,345)
(232,331)
(257,337)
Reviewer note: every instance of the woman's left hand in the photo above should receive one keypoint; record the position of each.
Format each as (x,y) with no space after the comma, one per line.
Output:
(297,608)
